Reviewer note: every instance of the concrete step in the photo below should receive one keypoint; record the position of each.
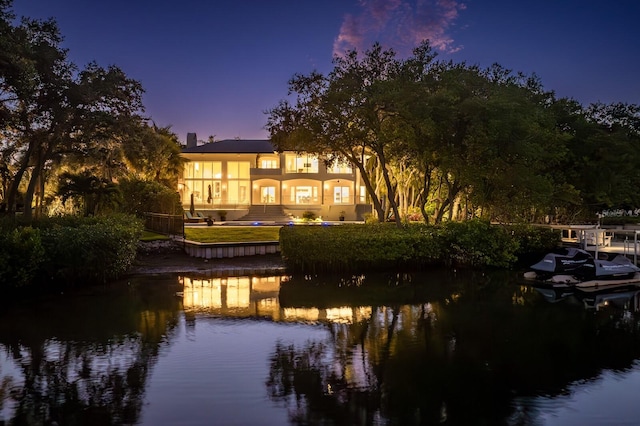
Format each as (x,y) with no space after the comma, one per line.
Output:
(265,213)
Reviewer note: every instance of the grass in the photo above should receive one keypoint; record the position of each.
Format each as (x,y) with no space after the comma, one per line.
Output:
(232,234)
(152,236)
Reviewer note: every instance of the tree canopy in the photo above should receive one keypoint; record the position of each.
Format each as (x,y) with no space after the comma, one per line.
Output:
(64,125)
(456,141)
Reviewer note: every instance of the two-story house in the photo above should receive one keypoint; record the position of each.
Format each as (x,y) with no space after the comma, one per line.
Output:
(248,178)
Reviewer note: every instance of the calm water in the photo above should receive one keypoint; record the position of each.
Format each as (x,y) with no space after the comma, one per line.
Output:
(434,348)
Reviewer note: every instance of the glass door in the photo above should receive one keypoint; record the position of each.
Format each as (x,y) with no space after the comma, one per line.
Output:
(268,194)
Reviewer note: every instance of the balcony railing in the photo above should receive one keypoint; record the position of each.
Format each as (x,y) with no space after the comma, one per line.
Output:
(266,172)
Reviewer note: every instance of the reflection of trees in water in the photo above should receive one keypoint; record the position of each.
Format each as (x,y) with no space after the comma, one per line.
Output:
(466,358)
(363,375)
(72,383)
(87,360)
(315,392)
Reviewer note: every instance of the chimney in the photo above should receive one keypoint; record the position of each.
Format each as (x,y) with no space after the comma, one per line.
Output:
(192,140)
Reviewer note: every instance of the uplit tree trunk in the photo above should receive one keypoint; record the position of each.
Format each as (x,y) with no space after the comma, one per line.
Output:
(12,194)
(425,192)
(377,205)
(391,197)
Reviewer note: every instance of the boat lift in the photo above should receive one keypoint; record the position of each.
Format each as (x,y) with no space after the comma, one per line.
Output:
(627,246)
(595,239)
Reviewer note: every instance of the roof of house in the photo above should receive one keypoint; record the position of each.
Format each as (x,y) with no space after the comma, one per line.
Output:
(233,146)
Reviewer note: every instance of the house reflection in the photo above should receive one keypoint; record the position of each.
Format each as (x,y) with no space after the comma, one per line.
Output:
(232,296)
(255,296)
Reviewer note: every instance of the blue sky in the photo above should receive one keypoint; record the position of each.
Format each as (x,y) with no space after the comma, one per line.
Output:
(215,67)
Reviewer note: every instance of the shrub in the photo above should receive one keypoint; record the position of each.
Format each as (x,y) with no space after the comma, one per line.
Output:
(67,249)
(140,196)
(534,241)
(356,247)
(21,256)
(93,248)
(308,215)
(370,218)
(477,243)
(361,248)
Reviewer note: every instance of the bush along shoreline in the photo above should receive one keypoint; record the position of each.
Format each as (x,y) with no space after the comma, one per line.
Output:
(377,247)
(67,251)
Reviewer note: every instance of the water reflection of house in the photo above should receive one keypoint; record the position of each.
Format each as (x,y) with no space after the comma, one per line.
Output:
(232,296)
(256,297)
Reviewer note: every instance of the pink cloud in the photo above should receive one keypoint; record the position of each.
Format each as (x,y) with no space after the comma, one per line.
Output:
(399,24)
(381,10)
(350,34)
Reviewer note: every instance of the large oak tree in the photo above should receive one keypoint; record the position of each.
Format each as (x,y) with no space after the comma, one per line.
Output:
(50,110)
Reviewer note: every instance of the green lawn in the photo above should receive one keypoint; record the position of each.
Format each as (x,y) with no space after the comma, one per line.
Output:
(152,236)
(232,234)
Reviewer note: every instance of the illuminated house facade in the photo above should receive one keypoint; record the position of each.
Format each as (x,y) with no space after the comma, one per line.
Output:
(249,179)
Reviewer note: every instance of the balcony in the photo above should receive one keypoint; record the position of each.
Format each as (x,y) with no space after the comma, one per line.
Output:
(266,172)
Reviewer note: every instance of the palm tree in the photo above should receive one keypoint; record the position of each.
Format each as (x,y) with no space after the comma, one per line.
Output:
(92,192)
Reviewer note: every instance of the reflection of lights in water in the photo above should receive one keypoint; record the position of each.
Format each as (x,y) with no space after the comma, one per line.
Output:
(202,293)
(238,292)
(341,315)
(235,295)
(348,315)
(301,314)
(257,296)
(270,302)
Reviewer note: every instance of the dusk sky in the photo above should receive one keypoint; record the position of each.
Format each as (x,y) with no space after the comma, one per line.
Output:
(215,67)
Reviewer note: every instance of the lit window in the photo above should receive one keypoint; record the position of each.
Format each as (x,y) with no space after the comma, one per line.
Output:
(304,194)
(238,169)
(268,164)
(340,167)
(303,163)
(341,195)
(201,178)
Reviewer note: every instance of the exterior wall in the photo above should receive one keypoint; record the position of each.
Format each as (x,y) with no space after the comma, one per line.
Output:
(298,186)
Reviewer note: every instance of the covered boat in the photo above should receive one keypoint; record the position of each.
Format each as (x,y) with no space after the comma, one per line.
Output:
(574,266)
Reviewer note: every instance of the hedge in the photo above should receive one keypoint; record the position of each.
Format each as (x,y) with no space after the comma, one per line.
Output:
(358,248)
(70,250)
